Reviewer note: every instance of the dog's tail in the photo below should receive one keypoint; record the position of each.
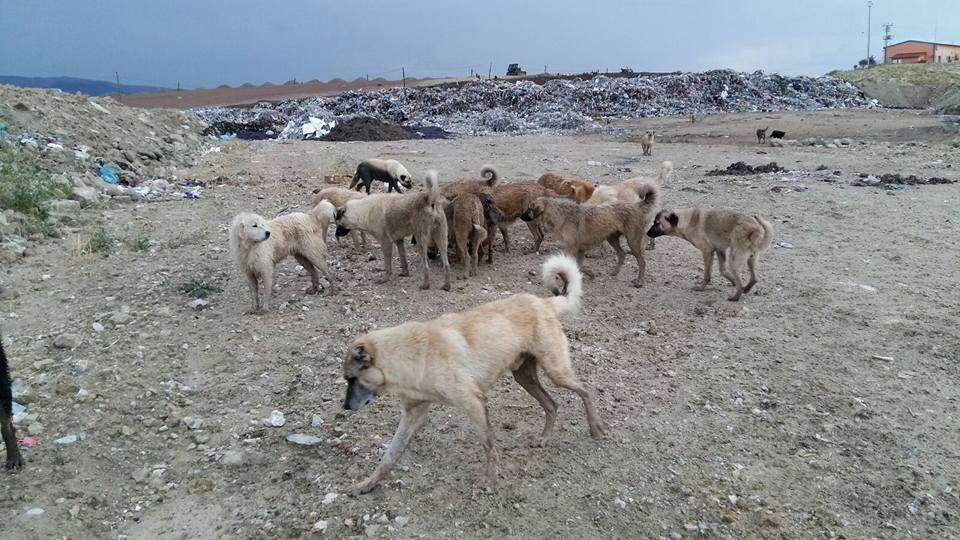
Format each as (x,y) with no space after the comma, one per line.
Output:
(666,169)
(649,194)
(762,242)
(324,212)
(562,278)
(491,213)
(430,181)
(488,173)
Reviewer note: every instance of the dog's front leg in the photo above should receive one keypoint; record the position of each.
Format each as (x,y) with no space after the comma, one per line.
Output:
(425,259)
(707,270)
(14,460)
(413,418)
(267,274)
(402,252)
(254,287)
(583,268)
(476,409)
(614,242)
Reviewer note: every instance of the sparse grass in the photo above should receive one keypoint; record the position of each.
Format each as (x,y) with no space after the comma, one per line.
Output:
(140,242)
(199,288)
(25,187)
(932,74)
(183,239)
(101,241)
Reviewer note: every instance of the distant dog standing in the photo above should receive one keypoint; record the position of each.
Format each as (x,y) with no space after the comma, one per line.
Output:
(14,459)
(259,245)
(455,359)
(391,217)
(338,197)
(388,171)
(646,142)
(581,227)
(777,134)
(733,236)
(762,135)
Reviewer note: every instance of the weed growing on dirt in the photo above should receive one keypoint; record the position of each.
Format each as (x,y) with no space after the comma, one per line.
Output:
(140,242)
(24,187)
(101,241)
(199,288)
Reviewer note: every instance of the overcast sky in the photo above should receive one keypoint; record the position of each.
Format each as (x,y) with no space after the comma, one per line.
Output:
(211,42)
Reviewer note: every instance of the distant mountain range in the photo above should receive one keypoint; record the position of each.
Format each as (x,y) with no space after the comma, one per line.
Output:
(71,84)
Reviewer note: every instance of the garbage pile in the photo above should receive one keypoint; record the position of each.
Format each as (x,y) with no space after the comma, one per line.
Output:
(364,128)
(742,169)
(495,106)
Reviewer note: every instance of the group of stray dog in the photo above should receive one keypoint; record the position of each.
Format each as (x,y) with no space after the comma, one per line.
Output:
(455,359)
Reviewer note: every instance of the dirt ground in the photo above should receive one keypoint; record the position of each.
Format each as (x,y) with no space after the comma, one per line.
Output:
(770,417)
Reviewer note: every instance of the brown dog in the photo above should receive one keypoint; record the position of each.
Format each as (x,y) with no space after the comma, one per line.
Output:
(513,199)
(646,142)
(456,358)
(577,190)
(391,217)
(489,179)
(582,227)
(728,233)
(469,230)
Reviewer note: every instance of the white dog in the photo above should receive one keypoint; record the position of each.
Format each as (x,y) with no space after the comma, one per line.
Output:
(257,245)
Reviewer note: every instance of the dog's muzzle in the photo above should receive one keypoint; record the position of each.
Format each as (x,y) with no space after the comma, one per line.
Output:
(339,212)
(654,232)
(266,234)
(529,215)
(342,231)
(358,395)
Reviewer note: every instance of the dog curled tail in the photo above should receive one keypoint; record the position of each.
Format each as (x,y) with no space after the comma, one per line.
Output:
(666,169)
(488,173)
(563,278)
(324,211)
(649,194)
(762,242)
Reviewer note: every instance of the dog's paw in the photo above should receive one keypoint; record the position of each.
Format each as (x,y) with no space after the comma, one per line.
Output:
(700,288)
(14,464)
(638,283)
(404,273)
(734,298)
(313,290)
(446,286)
(381,281)
(598,431)
(361,488)
(424,286)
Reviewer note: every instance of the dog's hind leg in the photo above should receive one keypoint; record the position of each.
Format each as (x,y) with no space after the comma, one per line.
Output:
(707,270)
(537,231)
(506,238)
(724,268)
(440,238)
(752,265)
(424,253)
(554,358)
(314,276)
(526,376)
(462,240)
(413,417)
(614,242)
(636,247)
(387,247)
(586,272)
(475,405)
(735,267)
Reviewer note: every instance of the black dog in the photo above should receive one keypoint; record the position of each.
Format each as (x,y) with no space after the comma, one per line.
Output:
(777,134)
(388,171)
(14,461)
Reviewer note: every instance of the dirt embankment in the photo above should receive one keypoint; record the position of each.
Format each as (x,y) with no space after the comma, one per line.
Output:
(910,86)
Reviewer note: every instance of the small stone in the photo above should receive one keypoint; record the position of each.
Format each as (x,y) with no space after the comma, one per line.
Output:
(232,457)
(276,419)
(75,511)
(199,304)
(69,439)
(126,431)
(66,341)
(191,422)
(35,428)
(97,327)
(733,499)
(35,512)
(200,436)
(316,421)
(120,318)
(400,521)
(329,498)
(319,526)
(620,503)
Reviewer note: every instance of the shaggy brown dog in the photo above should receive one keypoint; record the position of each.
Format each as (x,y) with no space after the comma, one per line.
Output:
(391,217)
(513,199)
(582,227)
(339,196)
(469,230)
(489,178)
(456,358)
(626,191)
(646,142)
(728,233)
(259,245)
(577,190)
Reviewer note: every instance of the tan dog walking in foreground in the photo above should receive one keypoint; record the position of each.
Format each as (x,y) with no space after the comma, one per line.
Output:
(734,237)
(258,245)
(456,358)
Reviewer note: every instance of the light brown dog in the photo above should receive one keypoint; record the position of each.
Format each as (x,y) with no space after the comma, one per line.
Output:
(646,142)
(513,199)
(456,358)
(581,227)
(577,190)
(489,179)
(734,237)
(626,191)
(339,196)
(469,230)
(258,245)
(392,217)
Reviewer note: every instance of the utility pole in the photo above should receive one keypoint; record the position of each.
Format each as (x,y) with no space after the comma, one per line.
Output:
(119,94)
(403,72)
(869,23)
(887,37)
(490,70)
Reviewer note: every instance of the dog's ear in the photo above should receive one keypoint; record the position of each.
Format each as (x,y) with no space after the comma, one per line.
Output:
(362,357)
(673,219)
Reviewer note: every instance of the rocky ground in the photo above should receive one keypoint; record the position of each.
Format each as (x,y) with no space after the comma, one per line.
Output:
(825,404)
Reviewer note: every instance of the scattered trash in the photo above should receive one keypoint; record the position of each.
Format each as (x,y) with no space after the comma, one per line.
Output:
(276,419)
(97,327)
(109,175)
(867,288)
(34,512)
(199,304)
(30,441)
(742,169)
(784,244)
(911,452)
(502,106)
(69,439)
(302,440)
(17,408)
(316,421)
(329,498)
(897,182)
(319,526)
(884,358)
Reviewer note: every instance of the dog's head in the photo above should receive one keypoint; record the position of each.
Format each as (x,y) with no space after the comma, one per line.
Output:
(364,379)
(250,228)
(665,223)
(340,216)
(403,176)
(535,209)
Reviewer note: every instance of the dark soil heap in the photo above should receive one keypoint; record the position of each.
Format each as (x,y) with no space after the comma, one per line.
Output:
(365,128)
(741,169)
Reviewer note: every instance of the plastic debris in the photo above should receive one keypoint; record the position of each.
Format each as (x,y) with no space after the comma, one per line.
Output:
(276,419)
(109,175)
(784,244)
(500,106)
(30,441)
(69,439)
